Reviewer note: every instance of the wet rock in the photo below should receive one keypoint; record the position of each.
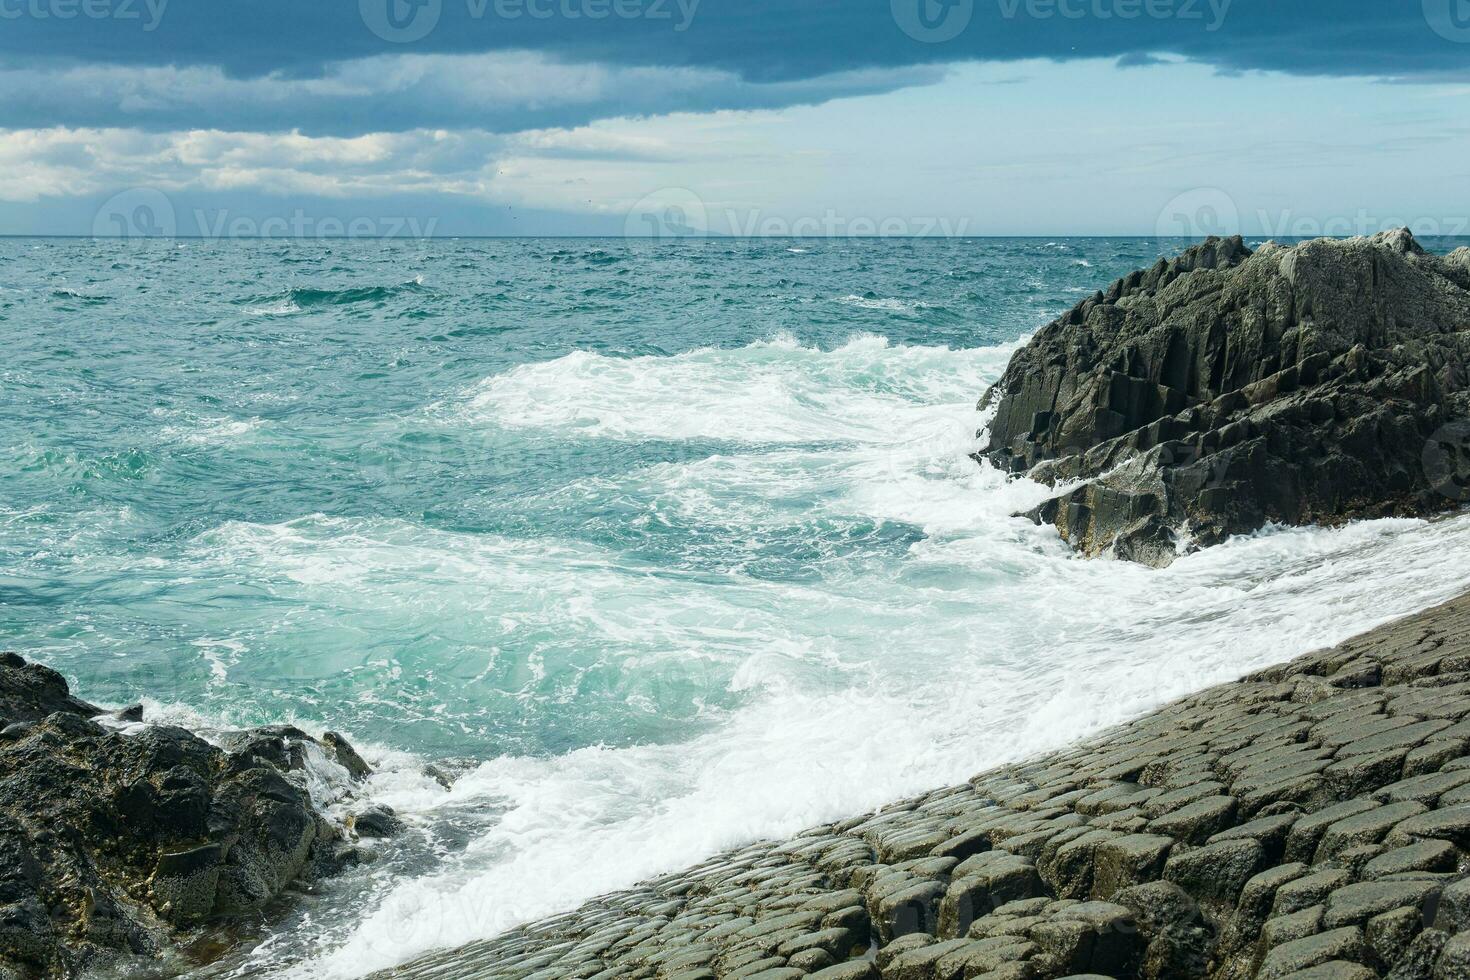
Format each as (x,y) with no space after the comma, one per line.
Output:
(440,775)
(1308,877)
(1224,389)
(983,884)
(983,956)
(1125,861)
(377,821)
(1454,959)
(1199,821)
(1285,929)
(1364,828)
(1309,890)
(346,756)
(1430,855)
(31,692)
(1417,962)
(1301,954)
(111,843)
(132,713)
(1335,970)
(848,971)
(1254,907)
(1093,937)
(920,964)
(1451,824)
(1216,871)
(1390,934)
(912,907)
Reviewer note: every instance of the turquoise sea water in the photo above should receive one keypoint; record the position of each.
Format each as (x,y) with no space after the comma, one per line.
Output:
(660,546)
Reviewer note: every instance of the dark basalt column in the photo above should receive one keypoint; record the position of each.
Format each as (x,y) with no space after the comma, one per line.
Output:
(1225,389)
(1309,822)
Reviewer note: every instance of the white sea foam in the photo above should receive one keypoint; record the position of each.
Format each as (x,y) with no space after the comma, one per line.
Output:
(1091,646)
(886,304)
(983,640)
(208,430)
(285,306)
(221,655)
(773,391)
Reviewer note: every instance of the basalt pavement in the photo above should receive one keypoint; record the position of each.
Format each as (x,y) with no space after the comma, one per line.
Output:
(1311,821)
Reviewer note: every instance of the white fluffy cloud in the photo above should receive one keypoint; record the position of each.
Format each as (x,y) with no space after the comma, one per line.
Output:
(68,162)
(504,91)
(1047,154)
(597,168)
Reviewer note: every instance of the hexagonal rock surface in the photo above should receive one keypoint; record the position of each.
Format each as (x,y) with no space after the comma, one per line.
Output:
(1310,822)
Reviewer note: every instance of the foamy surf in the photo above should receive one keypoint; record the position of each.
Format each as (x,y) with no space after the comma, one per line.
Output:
(658,553)
(979,641)
(946,703)
(774,391)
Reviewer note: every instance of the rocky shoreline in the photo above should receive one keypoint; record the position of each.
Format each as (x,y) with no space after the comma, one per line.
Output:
(1226,389)
(1310,822)
(120,841)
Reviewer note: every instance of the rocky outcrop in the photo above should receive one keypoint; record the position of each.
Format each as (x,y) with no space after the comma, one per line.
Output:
(1310,822)
(1226,389)
(117,837)
(30,692)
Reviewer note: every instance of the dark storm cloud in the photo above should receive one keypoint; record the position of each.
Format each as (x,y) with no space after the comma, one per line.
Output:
(269,64)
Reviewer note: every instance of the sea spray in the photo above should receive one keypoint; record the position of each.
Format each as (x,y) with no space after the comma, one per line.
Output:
(656,547)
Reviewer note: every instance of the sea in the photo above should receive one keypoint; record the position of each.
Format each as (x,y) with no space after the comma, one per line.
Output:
(646,549)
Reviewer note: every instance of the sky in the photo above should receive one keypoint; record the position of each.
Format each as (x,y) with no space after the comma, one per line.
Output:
(769,117)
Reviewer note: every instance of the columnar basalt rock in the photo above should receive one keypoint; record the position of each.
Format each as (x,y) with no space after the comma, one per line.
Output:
(117,839)
(1309,822)
(1225,389)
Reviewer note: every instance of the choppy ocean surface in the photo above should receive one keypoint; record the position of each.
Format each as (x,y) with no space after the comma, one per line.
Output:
(660,547)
